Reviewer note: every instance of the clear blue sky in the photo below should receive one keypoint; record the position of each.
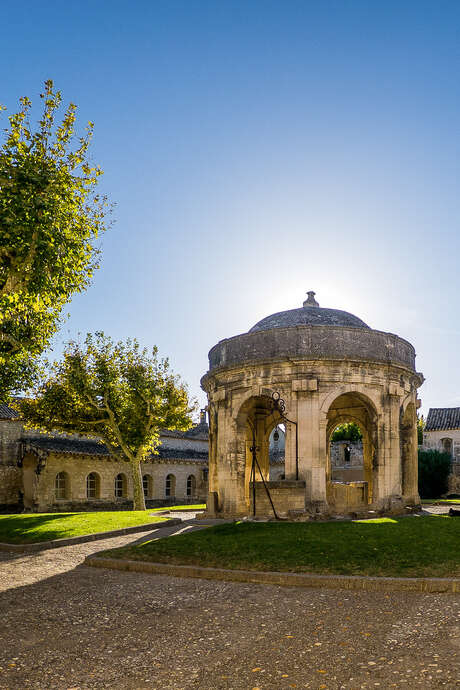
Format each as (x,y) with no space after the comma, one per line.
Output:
(257,149)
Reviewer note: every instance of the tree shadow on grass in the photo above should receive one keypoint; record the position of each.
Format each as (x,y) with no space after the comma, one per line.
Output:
(28,529)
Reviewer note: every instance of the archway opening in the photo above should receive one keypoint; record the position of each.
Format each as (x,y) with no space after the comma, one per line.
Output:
(351,449)
(346,453)
(258,419)
(276,450)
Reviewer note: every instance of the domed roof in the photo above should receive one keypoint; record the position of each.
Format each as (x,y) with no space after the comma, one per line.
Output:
(311,314)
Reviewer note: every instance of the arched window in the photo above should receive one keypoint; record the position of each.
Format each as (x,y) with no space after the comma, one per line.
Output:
(147,484)
(120,485)
(446,444)
(170,486)
(191,485)
(61,486)
(92,485)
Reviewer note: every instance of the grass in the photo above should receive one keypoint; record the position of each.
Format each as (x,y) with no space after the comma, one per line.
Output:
(435,501)
(36,527)
(406,547)
(198,506)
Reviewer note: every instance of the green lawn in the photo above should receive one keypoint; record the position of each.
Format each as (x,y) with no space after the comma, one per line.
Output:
(407,547)
(198,506)
(35,527)
(434,501)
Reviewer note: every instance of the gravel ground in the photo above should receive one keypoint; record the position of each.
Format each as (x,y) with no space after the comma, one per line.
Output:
(68,626)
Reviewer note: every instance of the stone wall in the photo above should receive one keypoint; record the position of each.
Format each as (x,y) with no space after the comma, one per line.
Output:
(286,496)
(10,487)
(312,342)
(343,471)
(10,433)
(39,490)
(433,440)
(10,473)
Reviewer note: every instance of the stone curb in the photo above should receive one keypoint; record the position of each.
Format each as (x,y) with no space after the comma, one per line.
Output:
(70,541)
(370,584)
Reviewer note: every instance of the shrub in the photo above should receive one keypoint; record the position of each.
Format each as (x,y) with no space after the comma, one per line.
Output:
(433,472)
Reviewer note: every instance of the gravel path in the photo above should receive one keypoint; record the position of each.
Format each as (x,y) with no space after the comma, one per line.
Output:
(68,626)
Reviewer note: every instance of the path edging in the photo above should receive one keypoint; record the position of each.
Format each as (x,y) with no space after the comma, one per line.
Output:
(83,538)
(372,584)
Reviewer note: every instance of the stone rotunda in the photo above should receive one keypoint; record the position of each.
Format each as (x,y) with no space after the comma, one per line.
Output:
(310,370)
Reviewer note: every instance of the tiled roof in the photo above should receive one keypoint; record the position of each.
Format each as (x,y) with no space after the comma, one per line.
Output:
(7,412)
(440,418)
(200,432)
(58,444)
(181,454)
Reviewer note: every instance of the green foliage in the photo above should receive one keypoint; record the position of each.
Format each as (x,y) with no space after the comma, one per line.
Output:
(117,392)
(420,429)
(407,547)
(347,432)
(433,472)
(50,217)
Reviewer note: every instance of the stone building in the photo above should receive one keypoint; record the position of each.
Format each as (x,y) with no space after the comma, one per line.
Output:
(442,432)
(311,369)
(47,472)
(347,461)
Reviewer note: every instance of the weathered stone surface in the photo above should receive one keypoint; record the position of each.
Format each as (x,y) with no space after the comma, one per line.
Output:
(326,375)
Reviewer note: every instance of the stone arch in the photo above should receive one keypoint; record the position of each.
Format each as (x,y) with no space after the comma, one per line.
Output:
(352,406)
(256,419)
(362,391)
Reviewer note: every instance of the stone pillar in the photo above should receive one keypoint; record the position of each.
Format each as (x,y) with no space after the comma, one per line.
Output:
(312,444)
(409,455)
(289,449)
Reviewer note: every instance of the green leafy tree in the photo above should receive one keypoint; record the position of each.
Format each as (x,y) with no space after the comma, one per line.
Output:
(347,432)
(116,392)
(50,217)
(434,468)
(420,429)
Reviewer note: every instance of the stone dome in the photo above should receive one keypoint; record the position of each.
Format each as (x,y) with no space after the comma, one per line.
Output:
(311,314)
(311,333)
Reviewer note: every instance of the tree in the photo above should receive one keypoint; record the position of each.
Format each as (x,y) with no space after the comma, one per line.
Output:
(349,431)
(420,429)
(50,217)
(117,392)
(434,468)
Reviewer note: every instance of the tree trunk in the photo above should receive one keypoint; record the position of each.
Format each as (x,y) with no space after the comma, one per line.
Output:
(138,489)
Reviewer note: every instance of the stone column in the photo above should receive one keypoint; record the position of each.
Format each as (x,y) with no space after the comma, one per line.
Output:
(312,444)
(289,448)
